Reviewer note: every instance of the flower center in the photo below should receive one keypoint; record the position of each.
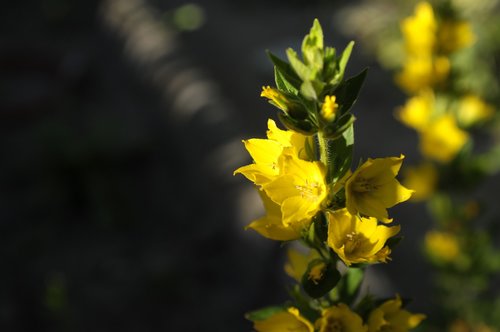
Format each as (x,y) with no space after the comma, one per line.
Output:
(332,325)
(310,191)
(352,241)
(362,185)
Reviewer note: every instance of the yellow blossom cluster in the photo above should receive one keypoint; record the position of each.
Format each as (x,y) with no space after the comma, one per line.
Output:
(389,316)
(293,189)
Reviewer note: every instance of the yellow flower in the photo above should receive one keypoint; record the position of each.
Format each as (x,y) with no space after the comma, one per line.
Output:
(358,240)
(422,179)
(299,190)
(297,263)
(275,97)
(472,110)
(289,320)
(266,153)
(419,31)
(271,225)
(442,139)
(329,108)
(454,35)
(441,246)
(420,72)
(340,318)
(417,111)
(391,317)
(373,188)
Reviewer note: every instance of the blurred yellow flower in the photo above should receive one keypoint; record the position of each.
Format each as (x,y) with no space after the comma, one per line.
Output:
(340,318)
(454,35)
(266,153)
(442,139)
(297,263)
(373,188)
(442,246)
(299,190)
(422,179)
(472,110)
(289,320)
(419,31)
(420,72)
(358,240)
(271,225)
(389,316)
(417,111)
(329,108)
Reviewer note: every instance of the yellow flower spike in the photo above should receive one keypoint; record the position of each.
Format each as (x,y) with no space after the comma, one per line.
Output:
(271,225)
(373,188)
(358,240)
(340,318)
(329,108)
(472,110)
(417,111)
(298,262)
(454,35)
(275,96)
(299,190)
(389,316)
(422,179)
(442,139)
(419,31)
(441,246)
(289,320)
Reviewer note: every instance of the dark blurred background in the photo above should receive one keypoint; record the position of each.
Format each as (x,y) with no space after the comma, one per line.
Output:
(121,125)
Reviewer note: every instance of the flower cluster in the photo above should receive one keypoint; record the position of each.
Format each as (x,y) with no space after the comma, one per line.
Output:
(303,175)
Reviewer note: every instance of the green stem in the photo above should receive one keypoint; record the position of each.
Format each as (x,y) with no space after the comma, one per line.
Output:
(323,149)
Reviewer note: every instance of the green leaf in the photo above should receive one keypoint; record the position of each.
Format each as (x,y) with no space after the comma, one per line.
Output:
(340,154)
(307,90)
(301,126)
(347,92)
(302,71)
(312,47)
(330,65)
(344,58)
(351,284)
(286,70)
(282,83)
(329,279)
(264,313)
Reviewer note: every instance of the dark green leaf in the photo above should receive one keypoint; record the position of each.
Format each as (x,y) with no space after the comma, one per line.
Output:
(351,284)
(282,83)
(286,70)
(340,154)
(347,92)
(302,126)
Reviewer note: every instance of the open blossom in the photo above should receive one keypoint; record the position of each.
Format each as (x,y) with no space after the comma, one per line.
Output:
(419,31)
(298,262)
(266,153)
(340,318)
(421,72)
(472,110)
(442,139)
(300,189)
(389,316)
(358,240)
(289,320)
(373,188)
(271,225)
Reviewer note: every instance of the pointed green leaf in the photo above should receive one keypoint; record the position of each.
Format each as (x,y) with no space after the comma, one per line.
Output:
(330,65)
(285,69)
(340,155)
(350,284)
(347,92)
(304,127)
(298,66)
(282,83)
(344,58)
